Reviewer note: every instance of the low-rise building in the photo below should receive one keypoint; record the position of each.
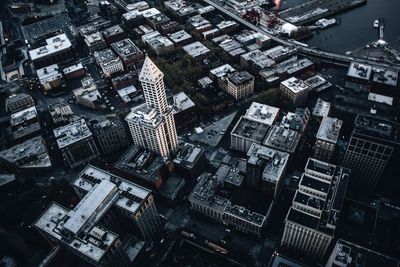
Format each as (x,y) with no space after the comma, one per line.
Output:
(24,123)
(56,50)
(161,45)
(156,21)
(108,62)
(282,138)
(170,27)
(295,90)
(18,102)
(61,112)
(359,72)
(265,169)
(199,24)
(74,71)
(253,126)
(197,50)
(181,10)
(204,199)
(50,77)
(311,221)
(190,160)
(29,155)
(129,53)
(143,167)
(321,109)
(110,135)
(180,38)
(95,42)
(114,34)
(280,53)
(327,136)
(220,74)
(88,95)
(256,61)
(346,254)
(76,143)
(240,85)
(227,26)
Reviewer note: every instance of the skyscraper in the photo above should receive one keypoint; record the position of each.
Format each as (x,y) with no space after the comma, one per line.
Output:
(152,124)
(370,148)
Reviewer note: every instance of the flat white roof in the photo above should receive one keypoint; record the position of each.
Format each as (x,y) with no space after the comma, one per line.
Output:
(329,129)
(359,71)
(196,49)
(222,71)
(71,133)
(295,85)
(73,68)
(54,44)
(48,73)
(182,102)
(88,206)
(262,113)
(381,98)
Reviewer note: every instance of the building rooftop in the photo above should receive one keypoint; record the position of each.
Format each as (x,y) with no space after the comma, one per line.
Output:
(53,45)
(141,5)
(240,77)
(245,214)
(71,133)
(106,125)
(227,174)
(179,36)
(88,91)
(23,116)
(196,49)
(262,113)
(159,42)
(105,57)
(126,48)
(199,23)
(151,12)
(113,30)
(251,130)
(347,254)
(150,72)
(93,38)
(18,97)
(295,85)
(140,163)
(296,121)
(72,68)
(129,196)
(132,14)
(48,74)
(143,115)
(321,108)
(258,59)
(222,71)
(226,24)
(377,128)
(206,9)
(180,7)
(181,102)
(385,76)
(329,129)
(359,71)
(31,153)
(188,155)
(275,161)
(93,244)
(283,139)
(126,92)
(278,52)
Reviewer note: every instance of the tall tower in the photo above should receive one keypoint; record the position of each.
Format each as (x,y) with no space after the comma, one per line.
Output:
(370,148)
(152,125)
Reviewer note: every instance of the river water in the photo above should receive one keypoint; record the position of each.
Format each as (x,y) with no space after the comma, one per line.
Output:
(356,27)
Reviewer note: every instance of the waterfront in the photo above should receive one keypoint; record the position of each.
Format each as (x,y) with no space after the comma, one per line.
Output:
(355,29)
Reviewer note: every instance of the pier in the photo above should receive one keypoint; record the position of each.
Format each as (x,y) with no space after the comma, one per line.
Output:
(314,10)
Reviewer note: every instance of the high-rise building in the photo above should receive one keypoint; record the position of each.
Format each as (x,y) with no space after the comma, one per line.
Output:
(327,137)
(92,230)
(152,125)
(370,148)
(311,221)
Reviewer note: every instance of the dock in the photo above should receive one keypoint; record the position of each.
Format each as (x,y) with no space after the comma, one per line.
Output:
(314,10)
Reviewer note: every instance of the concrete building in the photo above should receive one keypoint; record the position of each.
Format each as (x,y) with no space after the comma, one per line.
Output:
(180,38)
(50,77)
(95,42)
(114,34)
(197,50)
(18,102)
(24,124)
(88,95)
(321,109)
(256,61)
(253,126)
(107,201)
(199,24)
(371,146)
(359,72)
(265,169)
(295,90)
(152,125)
(280,53)
(282,138)
(61,112)
(74,71)
(220,74)
(180,9)
(76,144)
(204,199)
(190,160)
(109,135)
(184,110)
(327,136)
(56,50)
(161,45)
(108,62)
(347,254)
(29,155)
(312,219)
(129,53)
(240,85)
(143,167)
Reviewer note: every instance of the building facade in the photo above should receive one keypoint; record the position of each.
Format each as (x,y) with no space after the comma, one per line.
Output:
(327,136)
(371,146)
(152,125)
(240,85)
(110,135)
(311,221)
